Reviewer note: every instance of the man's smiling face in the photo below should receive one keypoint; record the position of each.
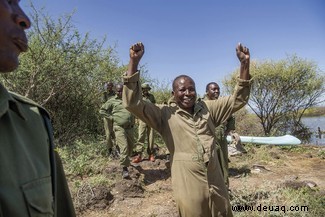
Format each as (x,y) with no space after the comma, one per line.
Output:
(185,93)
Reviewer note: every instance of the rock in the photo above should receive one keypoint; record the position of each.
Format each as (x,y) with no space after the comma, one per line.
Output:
(259,168)
(291,177)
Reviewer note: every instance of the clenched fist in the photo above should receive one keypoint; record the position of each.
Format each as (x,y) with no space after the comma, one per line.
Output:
(242,53)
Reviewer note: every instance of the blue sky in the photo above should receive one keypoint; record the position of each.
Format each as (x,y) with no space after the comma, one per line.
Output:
(198,38)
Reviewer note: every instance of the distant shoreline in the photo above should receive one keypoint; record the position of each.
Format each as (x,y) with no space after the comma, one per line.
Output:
(315,112)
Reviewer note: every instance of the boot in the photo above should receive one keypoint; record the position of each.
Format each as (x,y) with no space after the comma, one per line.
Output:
(109,152)
(152,158)
(137,159)
(125,173)
(167,162)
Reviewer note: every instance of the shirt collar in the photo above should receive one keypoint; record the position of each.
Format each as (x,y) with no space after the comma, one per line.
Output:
(8,102)
(197,108)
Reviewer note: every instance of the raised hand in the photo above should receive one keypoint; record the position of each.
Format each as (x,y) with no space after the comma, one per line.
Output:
(242,53)
(136,51)
(244,58)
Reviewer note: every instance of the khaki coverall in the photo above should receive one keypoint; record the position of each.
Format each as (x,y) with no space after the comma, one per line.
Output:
(32,179)
(123,126)
(197,181)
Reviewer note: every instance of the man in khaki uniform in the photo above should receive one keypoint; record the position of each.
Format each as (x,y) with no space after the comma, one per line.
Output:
(32,179)
(212,92)
(146,134)
(188,130)
(123,127)
(108,125)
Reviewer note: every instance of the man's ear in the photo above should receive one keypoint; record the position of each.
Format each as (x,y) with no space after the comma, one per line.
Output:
(173,93)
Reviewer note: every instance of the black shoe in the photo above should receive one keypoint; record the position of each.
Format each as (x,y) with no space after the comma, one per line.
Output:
(117,150)
(109,152)
(167,162)
(116,153)
(125,173)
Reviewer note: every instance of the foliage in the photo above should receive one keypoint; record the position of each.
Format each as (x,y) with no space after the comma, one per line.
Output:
(321,154)
(315,112)
(281,93)
(162,91)
(63,71)
(84,158)
(246,123)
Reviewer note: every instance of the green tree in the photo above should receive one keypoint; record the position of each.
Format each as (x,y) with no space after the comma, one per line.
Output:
(282,91)
(162,91)
(63,71)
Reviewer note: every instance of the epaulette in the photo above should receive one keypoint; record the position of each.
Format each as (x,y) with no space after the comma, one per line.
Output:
(26,100)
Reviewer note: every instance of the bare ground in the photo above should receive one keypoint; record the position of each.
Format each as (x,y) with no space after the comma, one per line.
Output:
(148,193)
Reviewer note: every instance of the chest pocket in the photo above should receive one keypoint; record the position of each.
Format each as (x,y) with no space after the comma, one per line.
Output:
(39,199)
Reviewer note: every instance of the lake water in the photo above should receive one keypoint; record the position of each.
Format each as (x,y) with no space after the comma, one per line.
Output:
(313,123)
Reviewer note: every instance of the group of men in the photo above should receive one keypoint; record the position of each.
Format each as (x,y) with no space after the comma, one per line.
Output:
(188,127)
(32,179)
(112,109)
(119,126)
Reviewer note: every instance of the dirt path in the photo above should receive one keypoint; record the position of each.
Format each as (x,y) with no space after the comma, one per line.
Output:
(149,192)
(284,167)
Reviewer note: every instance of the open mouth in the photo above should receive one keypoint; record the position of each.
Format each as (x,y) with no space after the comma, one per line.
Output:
(187,100)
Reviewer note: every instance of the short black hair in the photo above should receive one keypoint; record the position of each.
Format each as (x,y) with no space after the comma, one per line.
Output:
(207,87)
(181,76)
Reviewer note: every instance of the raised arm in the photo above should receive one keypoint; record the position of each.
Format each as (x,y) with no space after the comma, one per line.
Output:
(136,53)
(132,95)
(244,58)
(224,107)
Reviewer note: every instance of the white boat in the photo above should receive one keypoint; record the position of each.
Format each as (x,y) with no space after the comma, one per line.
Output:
(272,140)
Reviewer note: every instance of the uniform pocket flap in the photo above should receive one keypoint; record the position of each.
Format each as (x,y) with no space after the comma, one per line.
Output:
(38,196)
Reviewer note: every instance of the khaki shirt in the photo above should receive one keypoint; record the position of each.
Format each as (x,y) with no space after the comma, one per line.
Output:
(113,110)
(196,173)
(149,98)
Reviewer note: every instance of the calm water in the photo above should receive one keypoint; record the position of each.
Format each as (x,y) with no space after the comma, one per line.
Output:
(313,123)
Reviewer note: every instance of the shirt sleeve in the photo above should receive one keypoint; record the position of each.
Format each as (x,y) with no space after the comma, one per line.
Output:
(222,109)
(106,110)
(133,102)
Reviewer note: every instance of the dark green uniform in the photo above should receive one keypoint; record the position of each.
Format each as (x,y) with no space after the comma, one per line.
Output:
(222,145)
(108,125)
(197,181)
(146,134)
(32,180)
(123,127)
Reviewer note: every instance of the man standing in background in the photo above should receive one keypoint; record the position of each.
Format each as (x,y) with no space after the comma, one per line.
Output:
(108,125)
(123,127)
(212,92)
(146,133)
